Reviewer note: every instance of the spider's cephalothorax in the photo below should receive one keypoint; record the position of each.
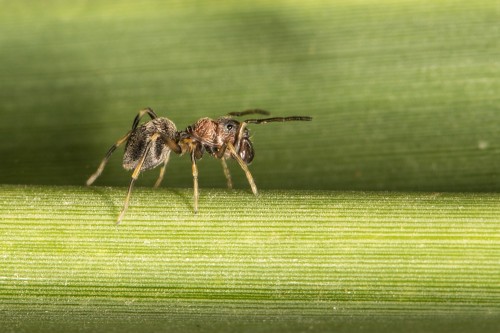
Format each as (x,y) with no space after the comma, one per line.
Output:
(150,144)
(213,137)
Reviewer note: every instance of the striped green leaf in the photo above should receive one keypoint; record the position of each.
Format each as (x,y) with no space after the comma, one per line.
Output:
(293,259)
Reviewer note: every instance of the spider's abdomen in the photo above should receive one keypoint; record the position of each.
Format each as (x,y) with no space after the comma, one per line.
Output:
(140,138)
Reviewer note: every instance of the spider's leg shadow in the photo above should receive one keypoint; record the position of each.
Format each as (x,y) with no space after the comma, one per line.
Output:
(184,198)
(109,204)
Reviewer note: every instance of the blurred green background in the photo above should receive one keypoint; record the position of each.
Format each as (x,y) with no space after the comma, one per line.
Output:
(404,94)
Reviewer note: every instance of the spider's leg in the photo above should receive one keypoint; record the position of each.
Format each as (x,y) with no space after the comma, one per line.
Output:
(101,167)
(141,113)
(135,175)
(244,113)
(244,124)
(243,165)
(227,173)
(106,158)
(162,170)
(220,154)
(172,145)
(195,180)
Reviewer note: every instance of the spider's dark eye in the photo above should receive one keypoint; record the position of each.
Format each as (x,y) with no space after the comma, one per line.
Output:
(229,127)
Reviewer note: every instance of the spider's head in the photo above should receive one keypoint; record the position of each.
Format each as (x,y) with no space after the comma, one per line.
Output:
(227,130)
(230,131)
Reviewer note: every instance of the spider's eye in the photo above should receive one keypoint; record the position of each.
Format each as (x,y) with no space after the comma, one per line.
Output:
(229,127)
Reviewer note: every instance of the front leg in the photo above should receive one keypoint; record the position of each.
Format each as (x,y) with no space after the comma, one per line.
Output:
(227,173)
(244,166)
(219,153)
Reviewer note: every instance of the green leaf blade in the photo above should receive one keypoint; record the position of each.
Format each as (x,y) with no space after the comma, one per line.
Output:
(319,255)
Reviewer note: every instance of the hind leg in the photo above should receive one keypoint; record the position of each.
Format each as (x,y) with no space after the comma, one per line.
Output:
(162,170)
(123,139)
(106,158)
(135,175)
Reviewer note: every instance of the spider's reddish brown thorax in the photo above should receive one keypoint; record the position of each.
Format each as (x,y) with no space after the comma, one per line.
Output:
(204,131)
